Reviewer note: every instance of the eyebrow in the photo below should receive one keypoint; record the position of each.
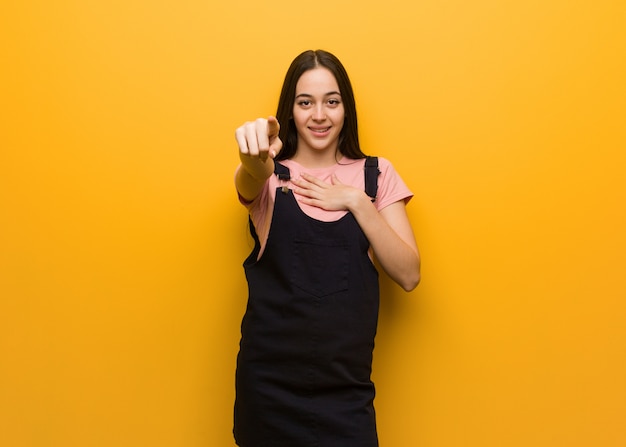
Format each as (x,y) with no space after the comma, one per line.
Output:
(308,95)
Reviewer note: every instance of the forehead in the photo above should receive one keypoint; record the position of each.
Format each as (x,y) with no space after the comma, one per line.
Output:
(318,80)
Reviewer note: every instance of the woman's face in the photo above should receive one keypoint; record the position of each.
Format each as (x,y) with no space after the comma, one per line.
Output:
(318,111)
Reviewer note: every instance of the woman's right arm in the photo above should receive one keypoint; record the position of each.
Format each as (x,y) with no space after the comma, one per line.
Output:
(258,145)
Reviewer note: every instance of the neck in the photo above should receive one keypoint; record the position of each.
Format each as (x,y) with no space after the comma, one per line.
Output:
(317,159)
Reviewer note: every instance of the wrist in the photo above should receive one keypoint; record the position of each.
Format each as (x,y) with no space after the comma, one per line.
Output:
(360,202)
(256,168)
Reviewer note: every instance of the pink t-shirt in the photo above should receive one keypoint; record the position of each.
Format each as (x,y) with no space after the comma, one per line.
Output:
(391,189)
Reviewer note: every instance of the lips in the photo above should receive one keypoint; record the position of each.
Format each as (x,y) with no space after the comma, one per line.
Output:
(319,130)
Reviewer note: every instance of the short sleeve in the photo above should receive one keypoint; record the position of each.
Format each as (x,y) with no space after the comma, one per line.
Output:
(391,187)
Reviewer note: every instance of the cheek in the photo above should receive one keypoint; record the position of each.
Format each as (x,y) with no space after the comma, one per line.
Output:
(297,119)
(340,114)
(340,118)
(299,123)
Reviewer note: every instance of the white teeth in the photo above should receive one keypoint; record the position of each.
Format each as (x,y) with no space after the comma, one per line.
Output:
(320,130)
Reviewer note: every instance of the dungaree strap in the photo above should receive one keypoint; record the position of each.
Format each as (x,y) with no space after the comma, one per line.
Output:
(281,171)
(371,177)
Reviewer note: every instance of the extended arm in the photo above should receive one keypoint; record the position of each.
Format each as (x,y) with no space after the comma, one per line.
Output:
(258,145)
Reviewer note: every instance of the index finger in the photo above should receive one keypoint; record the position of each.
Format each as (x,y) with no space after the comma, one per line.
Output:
(273,126)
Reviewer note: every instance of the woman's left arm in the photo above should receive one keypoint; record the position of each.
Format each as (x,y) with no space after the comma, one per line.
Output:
(391,238)
(389,231)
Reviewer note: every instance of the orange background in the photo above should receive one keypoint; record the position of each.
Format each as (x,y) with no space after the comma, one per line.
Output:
(121,239)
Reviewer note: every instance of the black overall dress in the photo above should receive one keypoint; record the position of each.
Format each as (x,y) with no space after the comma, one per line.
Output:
(303,369)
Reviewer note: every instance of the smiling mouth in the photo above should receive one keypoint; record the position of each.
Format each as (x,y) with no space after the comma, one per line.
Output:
(319,130)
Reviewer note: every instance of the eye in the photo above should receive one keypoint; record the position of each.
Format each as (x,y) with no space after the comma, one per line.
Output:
(334,102)
(304,103)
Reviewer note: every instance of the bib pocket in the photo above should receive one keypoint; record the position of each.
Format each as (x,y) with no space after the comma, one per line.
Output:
(320,268)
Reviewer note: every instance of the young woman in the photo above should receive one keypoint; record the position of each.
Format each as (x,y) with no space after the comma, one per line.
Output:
(319,211)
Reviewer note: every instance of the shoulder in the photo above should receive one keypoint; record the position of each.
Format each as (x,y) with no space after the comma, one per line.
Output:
(391,186)
(384,164)
(386,167)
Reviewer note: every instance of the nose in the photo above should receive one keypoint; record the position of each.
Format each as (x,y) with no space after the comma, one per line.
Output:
(318,113)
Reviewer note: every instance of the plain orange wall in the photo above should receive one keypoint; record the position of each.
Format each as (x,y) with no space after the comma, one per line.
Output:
(121,239)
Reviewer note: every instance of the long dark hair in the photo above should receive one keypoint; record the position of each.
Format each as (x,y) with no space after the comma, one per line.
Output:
(348,144)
